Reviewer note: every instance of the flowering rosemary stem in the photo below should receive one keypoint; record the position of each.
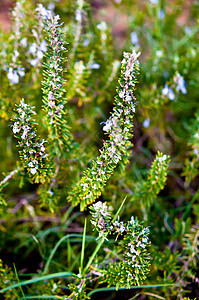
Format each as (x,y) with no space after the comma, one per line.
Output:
(117,148)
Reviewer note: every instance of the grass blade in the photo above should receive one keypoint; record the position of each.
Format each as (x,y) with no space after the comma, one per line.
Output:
(37,279)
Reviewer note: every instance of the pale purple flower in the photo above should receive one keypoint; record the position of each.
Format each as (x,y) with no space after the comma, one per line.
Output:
(94,66)
(161,14)
(171,94)
(154,1)
(51,6)
(180,84)
(122,228)
(134,38)
(86,42)
(166,91)
(13,76)
(188,30)
(146,123)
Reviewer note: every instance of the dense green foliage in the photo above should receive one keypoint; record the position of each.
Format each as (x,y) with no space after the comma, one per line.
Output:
(99,191)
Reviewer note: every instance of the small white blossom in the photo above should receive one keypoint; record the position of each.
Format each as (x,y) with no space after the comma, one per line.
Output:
(33,171)
(31,164)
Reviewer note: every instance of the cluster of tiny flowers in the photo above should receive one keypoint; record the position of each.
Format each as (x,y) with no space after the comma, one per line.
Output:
(37,51)
(135,264)
(53,85)
(45,13)
(117,147)
(101,218)
(38,48)
(15,71)
(179,85)
(15,74)
(33,152)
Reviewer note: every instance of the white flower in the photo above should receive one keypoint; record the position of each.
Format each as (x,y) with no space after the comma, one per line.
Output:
(13,76)
(16,128)
(171,94)
(42,148)
(33,171)
(23,42)
(159,53)
(40,54)
(108,126)
(128,97)
(165,90)
(121,94)
(21,71)
(102,26)
(146,123)
(78,16)
(122,228)
(30,165)
(33,48)
(34,62)
(50,192)
(43,47)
